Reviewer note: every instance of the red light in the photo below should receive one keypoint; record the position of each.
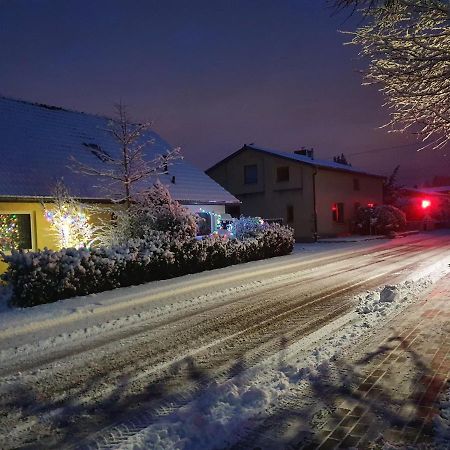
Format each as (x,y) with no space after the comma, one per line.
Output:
(425,204)
(370,205)
(334,208)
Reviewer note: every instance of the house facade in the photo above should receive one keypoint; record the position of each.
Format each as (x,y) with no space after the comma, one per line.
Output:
(36,145)
(314,197)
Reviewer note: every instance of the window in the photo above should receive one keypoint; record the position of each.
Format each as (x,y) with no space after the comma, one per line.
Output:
(356,184)
(15,232)
(251,174)
(204,224)
(282,174)
(338,212)
(289,214)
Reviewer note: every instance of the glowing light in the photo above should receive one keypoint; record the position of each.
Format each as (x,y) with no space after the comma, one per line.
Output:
(71,225)
(217,219)
(9,232)
(425,203)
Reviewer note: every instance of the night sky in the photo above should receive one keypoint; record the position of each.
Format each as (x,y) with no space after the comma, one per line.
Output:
(211,75)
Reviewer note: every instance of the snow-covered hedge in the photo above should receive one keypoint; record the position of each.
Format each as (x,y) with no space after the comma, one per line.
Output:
(47,276)
(382,219)
(246,227)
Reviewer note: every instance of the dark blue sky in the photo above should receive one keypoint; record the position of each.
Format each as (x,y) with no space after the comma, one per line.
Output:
(212,75)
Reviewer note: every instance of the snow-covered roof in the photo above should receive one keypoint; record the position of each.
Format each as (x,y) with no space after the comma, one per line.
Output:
(302,159)
(37,141)
(440,191)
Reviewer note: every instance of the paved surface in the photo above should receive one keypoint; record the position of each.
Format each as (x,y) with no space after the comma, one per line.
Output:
(362,238)
(401,382)
(64,393)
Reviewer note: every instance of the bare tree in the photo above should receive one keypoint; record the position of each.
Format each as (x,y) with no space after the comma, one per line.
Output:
(122,173)
(407,44)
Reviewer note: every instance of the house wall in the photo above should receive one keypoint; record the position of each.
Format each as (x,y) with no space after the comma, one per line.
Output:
(338,187)
(42,234)
(269,198)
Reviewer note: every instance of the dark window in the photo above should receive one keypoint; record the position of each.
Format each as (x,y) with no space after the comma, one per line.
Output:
(282,174)
(289,214)
(338,212)
(251,174)
(15,232)
(204,224)
(356,184)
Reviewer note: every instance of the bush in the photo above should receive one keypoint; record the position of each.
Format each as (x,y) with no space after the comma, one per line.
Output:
(157,210)
(246,227)
(383,219)
(152,211)
(47,276)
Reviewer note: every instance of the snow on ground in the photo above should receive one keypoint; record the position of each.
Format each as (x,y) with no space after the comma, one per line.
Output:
(224,412)
(97,314)
(5,297)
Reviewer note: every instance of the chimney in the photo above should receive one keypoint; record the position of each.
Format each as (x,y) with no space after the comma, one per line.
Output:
(308,152)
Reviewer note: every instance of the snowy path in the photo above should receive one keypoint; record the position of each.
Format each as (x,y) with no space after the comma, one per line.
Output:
(153,348)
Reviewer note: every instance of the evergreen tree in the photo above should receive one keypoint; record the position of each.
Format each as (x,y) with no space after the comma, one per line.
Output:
(391,188)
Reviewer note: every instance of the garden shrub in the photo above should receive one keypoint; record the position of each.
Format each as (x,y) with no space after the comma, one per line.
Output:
(47,276)
(151,211)
(246,227)
(383,219)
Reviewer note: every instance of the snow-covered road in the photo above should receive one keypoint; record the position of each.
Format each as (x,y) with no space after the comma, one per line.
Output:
(105,368)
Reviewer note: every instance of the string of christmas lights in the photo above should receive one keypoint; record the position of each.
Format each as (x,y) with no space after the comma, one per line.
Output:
(71,225)
(9,232)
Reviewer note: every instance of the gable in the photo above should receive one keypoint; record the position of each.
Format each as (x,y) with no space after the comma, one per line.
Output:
(295,158)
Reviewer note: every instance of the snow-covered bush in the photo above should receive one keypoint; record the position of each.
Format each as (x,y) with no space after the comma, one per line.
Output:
(47,276)
(245,227)
(157,210)
(152,211)
(382,219)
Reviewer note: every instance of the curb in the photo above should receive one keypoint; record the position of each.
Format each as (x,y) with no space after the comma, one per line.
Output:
(365,238)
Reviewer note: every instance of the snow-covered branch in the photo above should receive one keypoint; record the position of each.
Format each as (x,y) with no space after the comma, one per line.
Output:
(121,172)
(407,43)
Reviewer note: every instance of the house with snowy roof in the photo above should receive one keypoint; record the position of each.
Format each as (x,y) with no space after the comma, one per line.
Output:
(315,197)
(36,145)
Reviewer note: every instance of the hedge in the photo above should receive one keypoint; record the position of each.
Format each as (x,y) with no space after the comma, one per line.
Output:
(47,276)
